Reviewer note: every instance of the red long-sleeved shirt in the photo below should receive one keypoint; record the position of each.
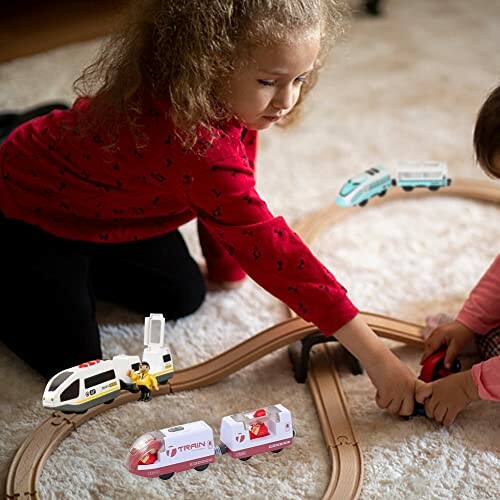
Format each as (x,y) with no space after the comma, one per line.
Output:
(481,314)
(72,187)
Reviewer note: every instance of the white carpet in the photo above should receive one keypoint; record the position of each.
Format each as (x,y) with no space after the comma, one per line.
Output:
(406,86)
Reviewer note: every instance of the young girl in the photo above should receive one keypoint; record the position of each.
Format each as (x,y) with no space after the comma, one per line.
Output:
(92,197)
(480,315)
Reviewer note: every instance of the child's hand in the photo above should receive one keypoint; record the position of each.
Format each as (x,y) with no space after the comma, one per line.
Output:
(445,398)
(455,335)
(395,385)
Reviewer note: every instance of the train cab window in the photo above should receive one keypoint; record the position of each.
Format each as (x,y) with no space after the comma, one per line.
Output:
(167,358)
(135,367)
(59,380)
(100,378)
(349,188)
(71,392)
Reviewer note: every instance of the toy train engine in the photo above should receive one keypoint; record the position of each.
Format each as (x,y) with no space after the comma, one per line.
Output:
(89,384)
(79,388)
(191,446)
(175,449)
(359,189)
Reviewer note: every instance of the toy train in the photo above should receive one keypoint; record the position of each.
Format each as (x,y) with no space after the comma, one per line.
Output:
(377,180)
(191,446)
(89,384)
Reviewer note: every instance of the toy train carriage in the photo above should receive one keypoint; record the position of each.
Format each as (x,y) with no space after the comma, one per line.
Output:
(258,431)
(79,388)
(427,174)
(175,449)
(359,189)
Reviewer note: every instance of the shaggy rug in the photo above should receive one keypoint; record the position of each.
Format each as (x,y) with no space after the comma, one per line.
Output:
(404,86)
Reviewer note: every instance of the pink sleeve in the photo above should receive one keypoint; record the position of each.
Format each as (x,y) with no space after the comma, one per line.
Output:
(486,375)
(481,311)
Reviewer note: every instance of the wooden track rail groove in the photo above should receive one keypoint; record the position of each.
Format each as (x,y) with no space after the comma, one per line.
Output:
(347,464)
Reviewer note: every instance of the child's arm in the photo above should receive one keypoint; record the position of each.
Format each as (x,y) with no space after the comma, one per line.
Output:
(220,187)
(481,311)
(486,376)
(394,381)
(222,270)
(479,315)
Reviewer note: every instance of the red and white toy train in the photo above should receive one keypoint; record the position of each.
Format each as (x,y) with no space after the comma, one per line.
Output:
(191,446)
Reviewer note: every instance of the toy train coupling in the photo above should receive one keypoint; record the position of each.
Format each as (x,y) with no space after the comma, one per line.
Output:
(221,449)
(300,355)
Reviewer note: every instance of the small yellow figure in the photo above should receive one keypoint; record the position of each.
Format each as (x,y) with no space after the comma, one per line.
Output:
(144,381)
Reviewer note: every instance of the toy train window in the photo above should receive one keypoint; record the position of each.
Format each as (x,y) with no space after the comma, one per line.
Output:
(349,188)
(167,358)
(71,392)
(155,336)
(59,380)
(135,366)
(100,378)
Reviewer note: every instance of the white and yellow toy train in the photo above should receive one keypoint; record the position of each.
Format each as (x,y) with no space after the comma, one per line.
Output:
(81,387)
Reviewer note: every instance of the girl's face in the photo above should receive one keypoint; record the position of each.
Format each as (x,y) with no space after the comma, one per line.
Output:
(266,86)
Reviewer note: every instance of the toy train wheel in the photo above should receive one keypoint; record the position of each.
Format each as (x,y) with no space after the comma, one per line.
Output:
(201,468)
(407,188)
(363,203)
(109,402)
(245,459)
(382,193)
(73,412)
(166,476)
(276,451)
(433,188)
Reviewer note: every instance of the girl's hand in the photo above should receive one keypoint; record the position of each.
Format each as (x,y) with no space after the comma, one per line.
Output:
(395,385)
(455,335)
(444,399)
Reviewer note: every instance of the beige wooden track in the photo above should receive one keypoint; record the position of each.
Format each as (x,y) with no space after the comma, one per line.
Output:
(347,465)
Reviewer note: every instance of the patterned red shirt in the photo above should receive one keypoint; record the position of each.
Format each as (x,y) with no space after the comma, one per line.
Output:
(73,188)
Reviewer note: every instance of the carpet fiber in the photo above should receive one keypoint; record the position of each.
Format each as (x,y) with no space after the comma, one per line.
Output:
(405,86)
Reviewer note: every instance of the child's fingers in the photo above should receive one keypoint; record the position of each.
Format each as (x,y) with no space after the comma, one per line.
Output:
(394,408)
(382,403)
(432,344)
(430,405)
(407,407)
(450,416)
(440,412)
(423,391)
(451,354)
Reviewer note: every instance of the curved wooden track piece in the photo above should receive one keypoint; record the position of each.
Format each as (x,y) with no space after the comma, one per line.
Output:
(27,464)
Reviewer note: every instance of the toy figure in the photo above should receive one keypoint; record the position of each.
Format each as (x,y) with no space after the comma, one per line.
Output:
(144,381)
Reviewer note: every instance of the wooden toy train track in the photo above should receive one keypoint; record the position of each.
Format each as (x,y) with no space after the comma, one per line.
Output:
(346,458)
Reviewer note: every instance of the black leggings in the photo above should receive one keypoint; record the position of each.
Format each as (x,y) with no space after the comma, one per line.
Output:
(50,287)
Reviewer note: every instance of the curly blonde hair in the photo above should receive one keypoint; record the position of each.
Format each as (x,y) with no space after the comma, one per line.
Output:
(179,49)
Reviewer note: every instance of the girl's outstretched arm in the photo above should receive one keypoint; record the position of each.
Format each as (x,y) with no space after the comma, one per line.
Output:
(394,381)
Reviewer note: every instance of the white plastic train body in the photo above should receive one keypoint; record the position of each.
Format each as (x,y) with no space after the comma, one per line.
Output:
(192,446)
(359,189)
(81,387)
(377,180)
(428,174)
